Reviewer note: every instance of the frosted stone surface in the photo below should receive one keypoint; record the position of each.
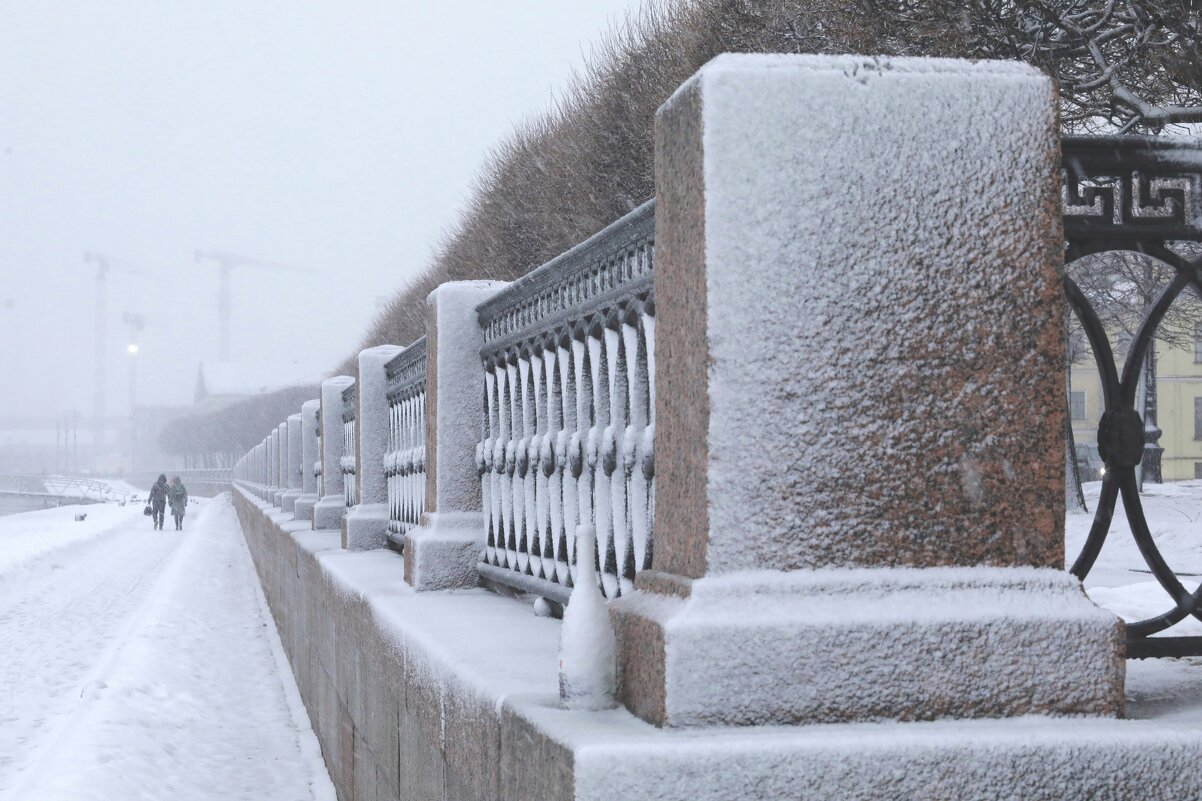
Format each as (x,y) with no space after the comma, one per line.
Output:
(293,465)
(329,511)
(454,392)
(859,357)
(442,553)
(371,423)
(839,645)
(281,466)
(859,509)
(366,524)
(309,456)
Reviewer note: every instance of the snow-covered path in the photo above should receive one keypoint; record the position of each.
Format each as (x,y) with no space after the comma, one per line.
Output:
(140,664)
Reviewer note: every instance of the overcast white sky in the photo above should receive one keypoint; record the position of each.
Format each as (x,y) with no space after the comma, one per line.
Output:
(339,136)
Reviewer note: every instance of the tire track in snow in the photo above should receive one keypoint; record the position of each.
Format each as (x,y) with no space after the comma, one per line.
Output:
(60,616)
(193,700)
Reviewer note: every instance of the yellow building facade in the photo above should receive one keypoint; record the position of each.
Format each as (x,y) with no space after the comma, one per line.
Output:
(1179,408)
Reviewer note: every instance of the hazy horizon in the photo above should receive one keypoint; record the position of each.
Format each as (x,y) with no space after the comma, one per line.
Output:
(337,138)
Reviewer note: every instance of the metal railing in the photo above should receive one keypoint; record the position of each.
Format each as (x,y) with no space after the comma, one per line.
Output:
(347,463)
(405,456)
(1136,195)
(569,416)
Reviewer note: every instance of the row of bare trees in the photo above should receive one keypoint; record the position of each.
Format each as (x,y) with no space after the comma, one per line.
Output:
(1130,65)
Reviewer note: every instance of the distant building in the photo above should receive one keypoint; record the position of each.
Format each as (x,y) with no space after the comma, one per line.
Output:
(1178,402)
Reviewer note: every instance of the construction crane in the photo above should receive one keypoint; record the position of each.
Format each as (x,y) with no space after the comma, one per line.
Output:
(103,267)
(225,263)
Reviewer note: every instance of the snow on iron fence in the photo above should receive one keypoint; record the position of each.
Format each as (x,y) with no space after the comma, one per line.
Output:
(569,414)
(405,458)
(347,463)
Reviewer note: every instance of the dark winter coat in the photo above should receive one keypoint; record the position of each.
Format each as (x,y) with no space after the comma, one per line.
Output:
(177,495)
(158,493)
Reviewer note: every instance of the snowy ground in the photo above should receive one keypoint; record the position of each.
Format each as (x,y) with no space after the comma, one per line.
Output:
(1167,689)
(137,664)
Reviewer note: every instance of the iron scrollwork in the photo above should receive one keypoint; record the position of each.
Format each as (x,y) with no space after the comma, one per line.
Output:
(1142,195)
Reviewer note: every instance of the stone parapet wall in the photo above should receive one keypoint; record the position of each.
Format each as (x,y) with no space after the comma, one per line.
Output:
(403,702)
(451,696)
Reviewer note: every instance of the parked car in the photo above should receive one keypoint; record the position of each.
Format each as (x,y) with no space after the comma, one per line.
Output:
(1089,463)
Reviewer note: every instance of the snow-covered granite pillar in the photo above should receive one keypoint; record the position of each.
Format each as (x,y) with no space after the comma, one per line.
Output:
(264,467)
(366,524)
(860,398)
(256,468)
(261,469)
(281,468)
(309,490)
(443,552)
(273,466)
(328,512)
(288,500)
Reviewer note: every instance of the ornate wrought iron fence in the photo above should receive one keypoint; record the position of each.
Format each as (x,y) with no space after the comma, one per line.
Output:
(347,463)
(569,415)
(1140,195)
(405,459)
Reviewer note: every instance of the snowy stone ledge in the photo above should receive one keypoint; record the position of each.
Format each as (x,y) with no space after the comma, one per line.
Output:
(453,695)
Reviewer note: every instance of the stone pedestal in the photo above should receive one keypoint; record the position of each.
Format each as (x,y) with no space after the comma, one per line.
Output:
(273,466)
(366,525)
(329,511)
(859,503)
(281,475)
(442,553)
(288,500)
(264,471)
(309,457)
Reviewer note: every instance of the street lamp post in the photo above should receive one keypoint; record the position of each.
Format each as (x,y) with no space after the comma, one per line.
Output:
(133,404)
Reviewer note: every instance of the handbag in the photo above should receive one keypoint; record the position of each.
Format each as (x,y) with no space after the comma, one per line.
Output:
(148,511)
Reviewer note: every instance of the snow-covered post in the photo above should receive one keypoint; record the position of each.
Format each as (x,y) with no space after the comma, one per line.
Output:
(328,512)
(443,552)
(366,524)
(281,465)
(273,466)
(257,471)
(293,465)
(860,495)
(309,456)
(264,468)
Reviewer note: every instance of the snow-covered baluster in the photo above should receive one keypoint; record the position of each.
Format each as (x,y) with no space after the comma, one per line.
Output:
(350,491)
(578,460)
(527,533)
(548,474)
(405,460)
(645,474)
(541,525)
(390,468)
(484,465)
(566,393)
(563,474)
(611,457)
(505,464)
(419,482)
(602,511)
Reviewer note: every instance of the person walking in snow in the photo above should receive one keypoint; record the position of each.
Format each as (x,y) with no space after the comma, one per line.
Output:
(177,496)
(158,501)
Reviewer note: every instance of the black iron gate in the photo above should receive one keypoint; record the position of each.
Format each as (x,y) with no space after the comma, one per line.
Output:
(1141,195)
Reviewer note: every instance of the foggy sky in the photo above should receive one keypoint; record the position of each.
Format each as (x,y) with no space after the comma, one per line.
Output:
(339,137)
